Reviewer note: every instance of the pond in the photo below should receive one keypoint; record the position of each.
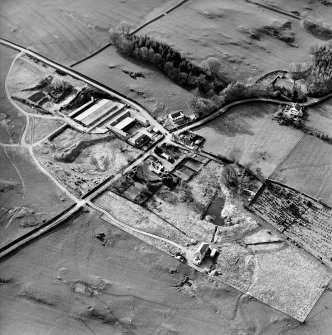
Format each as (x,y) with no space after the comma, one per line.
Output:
(215,209)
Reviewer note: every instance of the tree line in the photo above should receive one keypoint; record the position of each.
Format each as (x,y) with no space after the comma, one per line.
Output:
(170,61)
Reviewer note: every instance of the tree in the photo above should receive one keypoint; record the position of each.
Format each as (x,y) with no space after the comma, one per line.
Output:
(229,176)
(212,64)
(144,53)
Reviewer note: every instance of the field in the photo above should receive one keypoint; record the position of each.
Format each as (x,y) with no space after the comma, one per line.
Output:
(11,121)
(113,70)
(140,218)
(231,32)
(80,160)
(112,288)
(305,281)
(27,197)
(67,32)
(308,169)
(299,217)
(40,127)
(77,285)
(320,117)
(248,134)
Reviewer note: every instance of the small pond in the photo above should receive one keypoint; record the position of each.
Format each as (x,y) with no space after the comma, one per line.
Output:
(215,209)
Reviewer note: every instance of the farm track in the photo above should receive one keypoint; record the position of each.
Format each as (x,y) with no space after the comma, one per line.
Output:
(79,203)
(92,82)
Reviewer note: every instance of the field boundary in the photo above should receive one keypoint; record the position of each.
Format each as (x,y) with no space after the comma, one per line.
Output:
(157,17)
(295,190)
(271,176)
(131,33)
(277,10)
(38,231)
(91,55)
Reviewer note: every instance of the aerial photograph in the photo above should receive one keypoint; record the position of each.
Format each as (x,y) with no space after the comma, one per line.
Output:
(166,167)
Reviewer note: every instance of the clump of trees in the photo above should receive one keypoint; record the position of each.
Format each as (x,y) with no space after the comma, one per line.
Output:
(85,95)
(316,72)
(170,61)
(319,77)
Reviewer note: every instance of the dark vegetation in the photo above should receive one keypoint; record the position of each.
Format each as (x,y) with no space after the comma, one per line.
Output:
(169,61)
(317,73)
(318,27)
(241,179)
(59,89)
(212,92)
(85,95)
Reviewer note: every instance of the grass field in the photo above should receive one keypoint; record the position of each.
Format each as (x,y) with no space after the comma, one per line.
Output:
(77,285)
(320,117)
(40,128)
(248,134)
(211,28)
(139,218)
(11,121)
(69,31)
(27,197)
(154,91)
(308,169)
(48,283)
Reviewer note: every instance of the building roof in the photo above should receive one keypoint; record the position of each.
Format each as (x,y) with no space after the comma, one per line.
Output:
(95,112)
(124,123)
(176,115)
(202,249)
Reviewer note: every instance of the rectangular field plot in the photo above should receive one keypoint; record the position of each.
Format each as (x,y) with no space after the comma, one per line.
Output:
(222,29)
(288,281)
(248,134)
(320,117)
(308,169)
(69,31)
(299,217)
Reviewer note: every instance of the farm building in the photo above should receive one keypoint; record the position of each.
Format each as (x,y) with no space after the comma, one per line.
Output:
(201,253)
(96,112)
(293,112)
(126,123)
(177,117)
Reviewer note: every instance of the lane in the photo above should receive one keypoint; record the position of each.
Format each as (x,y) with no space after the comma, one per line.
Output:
(86,79)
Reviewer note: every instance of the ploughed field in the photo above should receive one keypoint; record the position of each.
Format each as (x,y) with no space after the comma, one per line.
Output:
(308,169)
(69,31)
(304,220)
(248,134)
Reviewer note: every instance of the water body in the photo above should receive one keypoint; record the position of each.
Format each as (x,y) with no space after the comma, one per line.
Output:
(215,209)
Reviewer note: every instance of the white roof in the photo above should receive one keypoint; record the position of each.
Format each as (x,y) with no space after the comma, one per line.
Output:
(92,109)
(124,123)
